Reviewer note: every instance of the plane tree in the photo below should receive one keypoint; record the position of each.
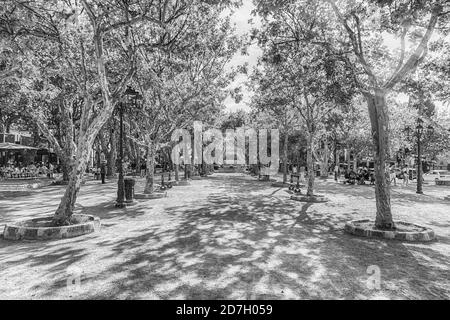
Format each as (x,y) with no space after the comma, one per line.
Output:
(304,74)
(94,45)
(185,82)
(355,31)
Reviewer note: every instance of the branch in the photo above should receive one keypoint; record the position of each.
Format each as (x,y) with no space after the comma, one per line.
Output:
(8,73)
(90,13)
(42,125)
(357,47)
(418,55)
(402,54)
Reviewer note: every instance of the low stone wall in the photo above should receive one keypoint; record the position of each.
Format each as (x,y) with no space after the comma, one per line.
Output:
(425,235)
(24,230)
(311,199)
(154,195)
(24,185)
(182,183)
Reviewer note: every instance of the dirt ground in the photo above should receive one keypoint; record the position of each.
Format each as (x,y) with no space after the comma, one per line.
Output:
(227,237)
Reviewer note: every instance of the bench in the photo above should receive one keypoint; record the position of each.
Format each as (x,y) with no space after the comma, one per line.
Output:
(295,186)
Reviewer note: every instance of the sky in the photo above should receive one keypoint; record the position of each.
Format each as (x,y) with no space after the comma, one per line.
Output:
(240,19)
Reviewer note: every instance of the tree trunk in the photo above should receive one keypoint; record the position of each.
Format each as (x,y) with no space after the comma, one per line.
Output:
(150,177)
(177,168)
(379,122)
(324,161)
(349,157)
(67,204)
(65,168)
(310,164)
(138,159)
(112,154)
(285,156)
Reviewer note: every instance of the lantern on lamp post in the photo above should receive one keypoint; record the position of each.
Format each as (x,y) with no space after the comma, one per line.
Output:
(420,132)
(131,98)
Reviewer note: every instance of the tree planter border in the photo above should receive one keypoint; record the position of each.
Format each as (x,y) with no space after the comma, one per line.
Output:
(25,186)
(264,180)
(182,183)
(20,231)
(150,196)
(280,184)
(426,235)
(60,183)
(310,199)
(124,204)
(172,182)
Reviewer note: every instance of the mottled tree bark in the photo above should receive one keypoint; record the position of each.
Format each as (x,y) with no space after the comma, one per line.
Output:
(150,177)
(65,168)
(324,160)
(112,154)
(67,204)
(379,121)
(310,164)
(177,175)
(285,156)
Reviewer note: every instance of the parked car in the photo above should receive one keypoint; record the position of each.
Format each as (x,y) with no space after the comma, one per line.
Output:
(436,174)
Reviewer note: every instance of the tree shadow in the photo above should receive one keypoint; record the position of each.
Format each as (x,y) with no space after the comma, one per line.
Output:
(238,244)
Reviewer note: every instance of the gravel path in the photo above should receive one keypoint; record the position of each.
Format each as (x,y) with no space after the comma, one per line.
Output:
(227,237)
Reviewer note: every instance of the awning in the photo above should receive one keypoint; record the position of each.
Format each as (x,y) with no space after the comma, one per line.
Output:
(13,146)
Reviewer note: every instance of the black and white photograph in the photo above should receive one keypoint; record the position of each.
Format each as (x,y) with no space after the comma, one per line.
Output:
(224,156)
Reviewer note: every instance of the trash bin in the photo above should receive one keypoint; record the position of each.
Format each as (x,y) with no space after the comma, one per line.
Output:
(129,189)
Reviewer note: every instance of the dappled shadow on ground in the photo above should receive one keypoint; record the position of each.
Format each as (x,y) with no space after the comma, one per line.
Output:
(263,248)
(233,238)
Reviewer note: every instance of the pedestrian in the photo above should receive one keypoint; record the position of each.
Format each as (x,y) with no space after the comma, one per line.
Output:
(393,176)
(405,173)
(103,173)
(336,172)
(50,170)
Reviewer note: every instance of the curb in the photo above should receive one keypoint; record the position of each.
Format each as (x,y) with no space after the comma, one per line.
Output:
(17,231)
(310,199)
(182,183)
(25,186)
(154,195)
(280,184)
(426,235)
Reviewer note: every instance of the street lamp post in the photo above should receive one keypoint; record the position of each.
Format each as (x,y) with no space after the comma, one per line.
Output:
(131,97)
(419,132)
(120,202)
(405,153)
